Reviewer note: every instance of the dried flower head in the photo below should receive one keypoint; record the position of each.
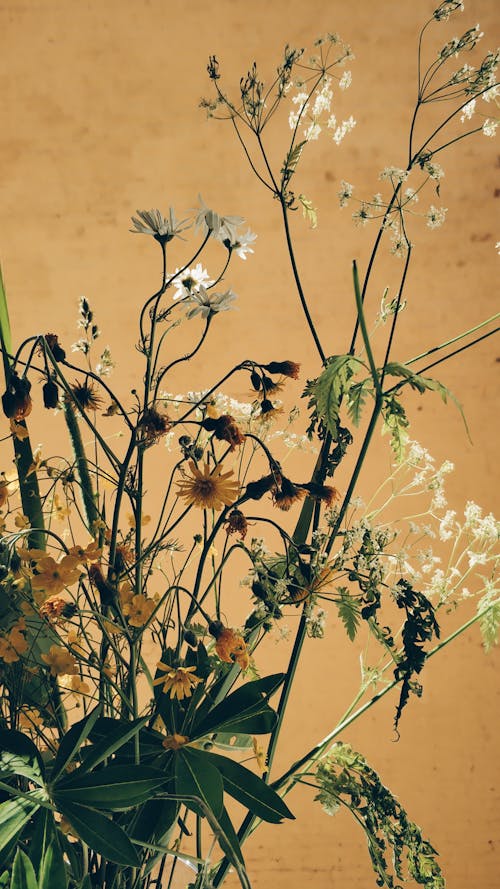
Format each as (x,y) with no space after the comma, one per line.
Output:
(152,425)
(236,523)
(85,395)
(225,428)
(286,494)
(16,400)
(230,645)
(286,368)
(55,347)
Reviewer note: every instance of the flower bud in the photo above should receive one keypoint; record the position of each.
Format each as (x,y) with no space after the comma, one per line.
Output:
(50,394)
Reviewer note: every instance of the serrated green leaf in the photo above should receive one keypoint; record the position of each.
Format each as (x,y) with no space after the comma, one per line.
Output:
(23,874)
(100,834)
(356,399)
(19,756)
(115,787)
(250,790)
(331,386)
(309,212)
(196,776)
(348,612)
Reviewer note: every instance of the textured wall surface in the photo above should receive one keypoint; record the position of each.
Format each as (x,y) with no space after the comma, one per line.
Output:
(99,117)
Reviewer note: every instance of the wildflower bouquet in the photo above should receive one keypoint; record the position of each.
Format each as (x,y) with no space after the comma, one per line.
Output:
(139,725)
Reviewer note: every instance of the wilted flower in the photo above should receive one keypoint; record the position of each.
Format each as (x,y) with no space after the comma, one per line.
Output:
(179,681)
(225,428)
(50,393)
(222,228)
(285,494)
(207,304)
(86,397)
(152,425)
(16,400)
(53,343)
(287,368)
(162,228)
(230,645)
(236,523)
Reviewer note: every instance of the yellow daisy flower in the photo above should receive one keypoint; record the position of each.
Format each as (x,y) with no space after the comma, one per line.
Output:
(208,489)
(179,681)
(60,661)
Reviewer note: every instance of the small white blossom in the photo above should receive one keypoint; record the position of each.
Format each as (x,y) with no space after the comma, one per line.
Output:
(436,216)
(447,525)
(468,110)
(395,174)
(242,245)
(105,364)
(345,80)
(411,196)
(345,192)
(490,126)
(491,94)
(362,215)
(346,127)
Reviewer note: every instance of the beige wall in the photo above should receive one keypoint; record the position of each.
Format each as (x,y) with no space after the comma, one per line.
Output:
(99,117)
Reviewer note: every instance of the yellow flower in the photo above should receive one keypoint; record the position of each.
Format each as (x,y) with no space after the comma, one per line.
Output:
(18,430)
(89,553)
(145,520)
(138,610)
(231,648)
(179,681)
(21,521)
(54,576)
(59,509)
(7,487)
(75,643)
(60,661)
(75,684)
(208,490)
(37,462)
(29,717)
(175,741)
(260,756)
(14,644)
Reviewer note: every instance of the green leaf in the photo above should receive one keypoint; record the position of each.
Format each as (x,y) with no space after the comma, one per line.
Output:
(100,834)
(356,399)
(4,880)
(52,872)
(23,874)
(228,839)
(309,212)
(196,776)
(245,710)
(250,790)
(42,837)
(115,787)
(348,612)
(19,756)
(5,333)
(116,738)
(331,386)
(231,741)
(72,741)
(14,814)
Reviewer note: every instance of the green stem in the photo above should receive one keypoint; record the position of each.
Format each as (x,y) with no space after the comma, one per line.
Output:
(88,496)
